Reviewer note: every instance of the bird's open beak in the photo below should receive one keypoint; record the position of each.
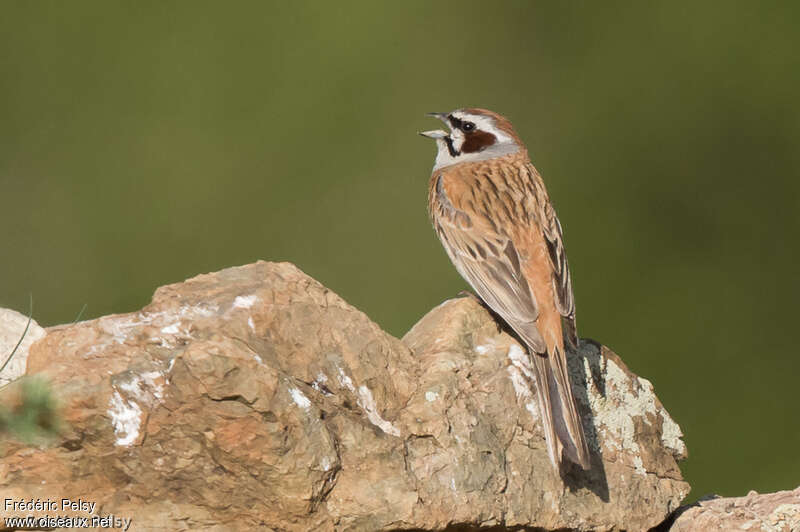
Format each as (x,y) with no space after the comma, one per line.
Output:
(434,134)
(437,133)
(441,116)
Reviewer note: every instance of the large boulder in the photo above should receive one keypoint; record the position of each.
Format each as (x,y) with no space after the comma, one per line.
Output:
(255,398)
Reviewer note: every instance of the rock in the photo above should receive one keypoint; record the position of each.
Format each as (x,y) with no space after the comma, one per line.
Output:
(256,398)
(12,327)
(474,419)
(773,512)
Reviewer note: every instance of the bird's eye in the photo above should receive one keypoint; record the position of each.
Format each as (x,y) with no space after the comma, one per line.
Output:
(468,126)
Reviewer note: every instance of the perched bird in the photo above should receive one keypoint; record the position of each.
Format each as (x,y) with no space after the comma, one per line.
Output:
(492,213)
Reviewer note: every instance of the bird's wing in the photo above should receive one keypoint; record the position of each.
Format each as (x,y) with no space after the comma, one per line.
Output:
(489,262)
(562,281)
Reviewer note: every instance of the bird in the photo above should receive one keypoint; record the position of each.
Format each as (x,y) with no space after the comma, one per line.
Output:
(491,211)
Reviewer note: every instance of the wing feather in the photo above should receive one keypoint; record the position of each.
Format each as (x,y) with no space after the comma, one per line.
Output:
(562,280)
(489,262)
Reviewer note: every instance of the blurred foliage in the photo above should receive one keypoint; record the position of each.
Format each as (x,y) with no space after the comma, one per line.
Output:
(145,142)
(34,418)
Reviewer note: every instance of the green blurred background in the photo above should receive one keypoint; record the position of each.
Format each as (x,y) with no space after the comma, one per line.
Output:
(142,143)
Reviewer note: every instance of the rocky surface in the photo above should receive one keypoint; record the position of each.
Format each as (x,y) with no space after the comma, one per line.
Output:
(12,327)
(255,398)
(771,512)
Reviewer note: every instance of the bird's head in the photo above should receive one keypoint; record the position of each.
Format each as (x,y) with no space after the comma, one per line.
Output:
(475,135)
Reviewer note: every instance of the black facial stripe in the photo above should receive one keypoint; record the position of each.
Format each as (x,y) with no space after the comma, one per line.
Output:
(450,147)
(456,122)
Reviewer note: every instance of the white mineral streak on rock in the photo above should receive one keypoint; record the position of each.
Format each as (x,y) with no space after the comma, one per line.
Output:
(126,418)
(123,328)
(345,380)
(172,329)
(150,377)
(325,463)
(520,373)
(319,384)
(523,391)
(521,360)
(244,301)
(126,414)
(300,399)
(139,385)
(367,403)
(483,349)
(487,346)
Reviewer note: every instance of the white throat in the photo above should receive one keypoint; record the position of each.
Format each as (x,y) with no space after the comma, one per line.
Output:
(443,157)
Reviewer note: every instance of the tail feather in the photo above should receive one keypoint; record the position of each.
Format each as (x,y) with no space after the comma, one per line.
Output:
(560,419)
(544,398)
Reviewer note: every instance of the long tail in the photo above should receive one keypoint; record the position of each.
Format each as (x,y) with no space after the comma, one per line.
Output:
(560,418)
